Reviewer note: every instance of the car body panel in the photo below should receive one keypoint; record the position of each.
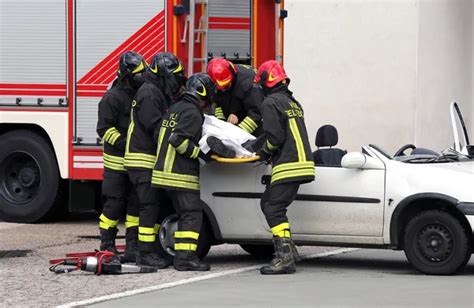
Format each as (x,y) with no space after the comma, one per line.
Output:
(346,206)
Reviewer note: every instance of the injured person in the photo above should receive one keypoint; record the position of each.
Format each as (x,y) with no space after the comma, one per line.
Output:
(227,140)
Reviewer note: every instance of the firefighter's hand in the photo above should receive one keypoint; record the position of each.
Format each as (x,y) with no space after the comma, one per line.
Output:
(264,156)
(233,119)
(206,157)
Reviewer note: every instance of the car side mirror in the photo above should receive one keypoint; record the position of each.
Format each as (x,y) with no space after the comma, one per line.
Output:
(357,160)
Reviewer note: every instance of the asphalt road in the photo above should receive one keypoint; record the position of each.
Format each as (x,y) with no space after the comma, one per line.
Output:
(25,251)
(361,278)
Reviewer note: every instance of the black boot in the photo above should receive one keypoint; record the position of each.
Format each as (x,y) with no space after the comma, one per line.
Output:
(296,255)
(149,257)
(186,260)
(218,147)
(107,239)
(283,262)
(131,245)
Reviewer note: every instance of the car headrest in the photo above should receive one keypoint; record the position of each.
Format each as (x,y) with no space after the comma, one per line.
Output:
(326,136)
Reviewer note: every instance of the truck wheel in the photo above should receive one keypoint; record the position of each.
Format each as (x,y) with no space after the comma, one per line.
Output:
(259,251)
(29,177)
(166,237)
(436,243)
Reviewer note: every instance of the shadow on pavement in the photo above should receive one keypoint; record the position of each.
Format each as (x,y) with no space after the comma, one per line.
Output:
(392,262)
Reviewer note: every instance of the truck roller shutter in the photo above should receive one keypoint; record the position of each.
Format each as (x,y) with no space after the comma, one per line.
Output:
(229,29)
(32,52)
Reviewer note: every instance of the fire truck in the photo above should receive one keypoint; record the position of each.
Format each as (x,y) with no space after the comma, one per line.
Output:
(57,58)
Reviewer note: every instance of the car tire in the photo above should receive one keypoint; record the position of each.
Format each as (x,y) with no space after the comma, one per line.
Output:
(168,225)
(261,251)
(30,184)
(436,243)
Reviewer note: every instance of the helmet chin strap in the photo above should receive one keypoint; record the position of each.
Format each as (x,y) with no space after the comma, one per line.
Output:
(263,78)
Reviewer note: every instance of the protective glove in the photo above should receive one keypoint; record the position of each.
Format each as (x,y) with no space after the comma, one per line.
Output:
(205,157)
(265,156)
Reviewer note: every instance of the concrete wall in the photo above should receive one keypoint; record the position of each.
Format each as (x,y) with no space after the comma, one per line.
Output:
(444,69)
(382,72)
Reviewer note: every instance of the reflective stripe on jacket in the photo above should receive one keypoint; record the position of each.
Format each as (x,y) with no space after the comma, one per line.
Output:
(177,165)
(147,110)
(243,99)
(112,124)
(287,138)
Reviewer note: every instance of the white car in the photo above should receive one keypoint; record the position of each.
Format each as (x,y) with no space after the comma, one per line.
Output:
(422,203)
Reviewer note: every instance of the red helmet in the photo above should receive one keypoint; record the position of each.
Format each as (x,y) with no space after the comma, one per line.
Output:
(270,73)
(222,72)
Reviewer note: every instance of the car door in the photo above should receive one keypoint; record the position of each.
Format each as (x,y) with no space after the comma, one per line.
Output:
(341,201)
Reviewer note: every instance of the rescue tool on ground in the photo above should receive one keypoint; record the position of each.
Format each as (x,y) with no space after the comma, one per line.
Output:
(98,262)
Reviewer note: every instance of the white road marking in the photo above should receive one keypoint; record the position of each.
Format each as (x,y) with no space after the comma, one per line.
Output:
(191,280)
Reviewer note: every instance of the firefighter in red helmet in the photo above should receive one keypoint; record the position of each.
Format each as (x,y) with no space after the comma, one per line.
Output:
(237,99)
(288,149)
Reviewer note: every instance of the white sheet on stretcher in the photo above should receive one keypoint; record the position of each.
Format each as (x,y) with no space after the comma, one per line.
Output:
(231,135)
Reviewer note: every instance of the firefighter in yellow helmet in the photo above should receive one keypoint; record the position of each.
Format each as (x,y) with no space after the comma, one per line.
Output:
(288,149)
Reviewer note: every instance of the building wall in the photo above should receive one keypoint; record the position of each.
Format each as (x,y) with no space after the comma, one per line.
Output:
(370,68)
(444,69)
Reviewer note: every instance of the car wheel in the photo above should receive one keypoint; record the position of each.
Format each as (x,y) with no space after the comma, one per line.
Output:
(166,237)
(436,243)
(30,187)
(259,251)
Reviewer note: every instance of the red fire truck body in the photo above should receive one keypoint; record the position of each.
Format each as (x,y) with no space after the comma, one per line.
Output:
(57,58)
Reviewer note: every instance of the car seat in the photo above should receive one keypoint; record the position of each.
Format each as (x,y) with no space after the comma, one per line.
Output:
(327,137)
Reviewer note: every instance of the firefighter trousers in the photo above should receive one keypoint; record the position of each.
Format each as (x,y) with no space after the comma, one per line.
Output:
(189,208)
(149,198)
(275,201)
(120,198)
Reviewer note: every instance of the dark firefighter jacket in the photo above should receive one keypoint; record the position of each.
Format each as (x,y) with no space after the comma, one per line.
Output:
(177,165)
(287,139)
(112,125)
(243,99)
(149,106)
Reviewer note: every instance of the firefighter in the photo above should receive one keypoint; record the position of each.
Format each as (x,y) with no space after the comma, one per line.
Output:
(114,113)
(164,80)
(237,99)
(288,149)
(177,167)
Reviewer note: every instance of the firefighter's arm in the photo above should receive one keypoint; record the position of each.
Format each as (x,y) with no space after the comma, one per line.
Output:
(148,112)
(252,103)
(189,124)
(273,125)
(218,112)
(107,121)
